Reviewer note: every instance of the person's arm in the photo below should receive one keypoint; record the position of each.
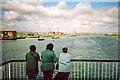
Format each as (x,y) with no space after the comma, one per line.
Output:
(67,61)
(37,57)
(55,59)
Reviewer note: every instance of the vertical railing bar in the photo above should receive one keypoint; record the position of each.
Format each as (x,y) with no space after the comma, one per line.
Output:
(102,69)
(91,70)
(4,72)
(23,70)
(77,69)
(98,69)
(70,70)
(109,71)
(14,76)
(74,71)
(106,71)
(81,70)
(113,71)
(95,70)
(116,71)
(13,70)
(20,67)
(17,69)
(9,71)
(85,70)
(88,71)
(86,64)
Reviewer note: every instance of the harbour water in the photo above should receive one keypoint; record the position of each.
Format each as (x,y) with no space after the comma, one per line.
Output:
(90,47)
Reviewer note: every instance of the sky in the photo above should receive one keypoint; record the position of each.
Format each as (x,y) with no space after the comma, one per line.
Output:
(41,16)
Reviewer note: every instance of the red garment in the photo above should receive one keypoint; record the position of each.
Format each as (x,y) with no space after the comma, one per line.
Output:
(62,76)
(48,75)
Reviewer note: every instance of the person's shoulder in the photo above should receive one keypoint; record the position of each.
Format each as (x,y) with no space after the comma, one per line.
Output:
(50,51)
(27,53)
(68,54)
(36,53)
(61,54)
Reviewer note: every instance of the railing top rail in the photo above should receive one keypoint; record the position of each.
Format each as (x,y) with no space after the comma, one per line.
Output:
(1,64)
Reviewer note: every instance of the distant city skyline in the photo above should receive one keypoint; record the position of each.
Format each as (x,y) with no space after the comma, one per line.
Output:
(67,16)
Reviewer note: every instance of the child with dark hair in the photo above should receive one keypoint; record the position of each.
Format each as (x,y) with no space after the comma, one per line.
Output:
(32,58)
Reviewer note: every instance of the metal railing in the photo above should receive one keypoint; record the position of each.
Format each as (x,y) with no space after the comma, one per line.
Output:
(80,70)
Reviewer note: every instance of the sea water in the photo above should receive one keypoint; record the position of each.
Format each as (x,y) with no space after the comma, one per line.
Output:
(80,47)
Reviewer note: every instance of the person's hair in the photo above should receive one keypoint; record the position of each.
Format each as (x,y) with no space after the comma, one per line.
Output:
(65,49)
(32,48)
(50,46)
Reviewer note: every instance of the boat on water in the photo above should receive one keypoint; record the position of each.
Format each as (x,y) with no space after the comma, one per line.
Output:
(55,37)
(41,39)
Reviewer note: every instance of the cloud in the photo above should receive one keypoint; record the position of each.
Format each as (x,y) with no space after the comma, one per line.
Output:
(62,5)
(10,15)
(82,8)
(81,18)
(23,8)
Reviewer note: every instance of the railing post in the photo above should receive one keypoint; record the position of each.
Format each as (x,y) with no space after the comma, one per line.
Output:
(9,71)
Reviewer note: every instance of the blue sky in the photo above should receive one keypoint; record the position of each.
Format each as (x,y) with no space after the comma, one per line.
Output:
(95,5)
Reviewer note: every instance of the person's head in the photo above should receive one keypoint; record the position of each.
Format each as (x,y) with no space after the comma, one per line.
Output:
(50,46)
(64,49)
(32,48)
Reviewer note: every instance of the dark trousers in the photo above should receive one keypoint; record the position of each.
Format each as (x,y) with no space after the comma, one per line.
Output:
(48,75)
(62,76)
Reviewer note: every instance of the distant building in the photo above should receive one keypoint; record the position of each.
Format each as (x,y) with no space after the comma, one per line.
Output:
(8,35)
(51,33)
